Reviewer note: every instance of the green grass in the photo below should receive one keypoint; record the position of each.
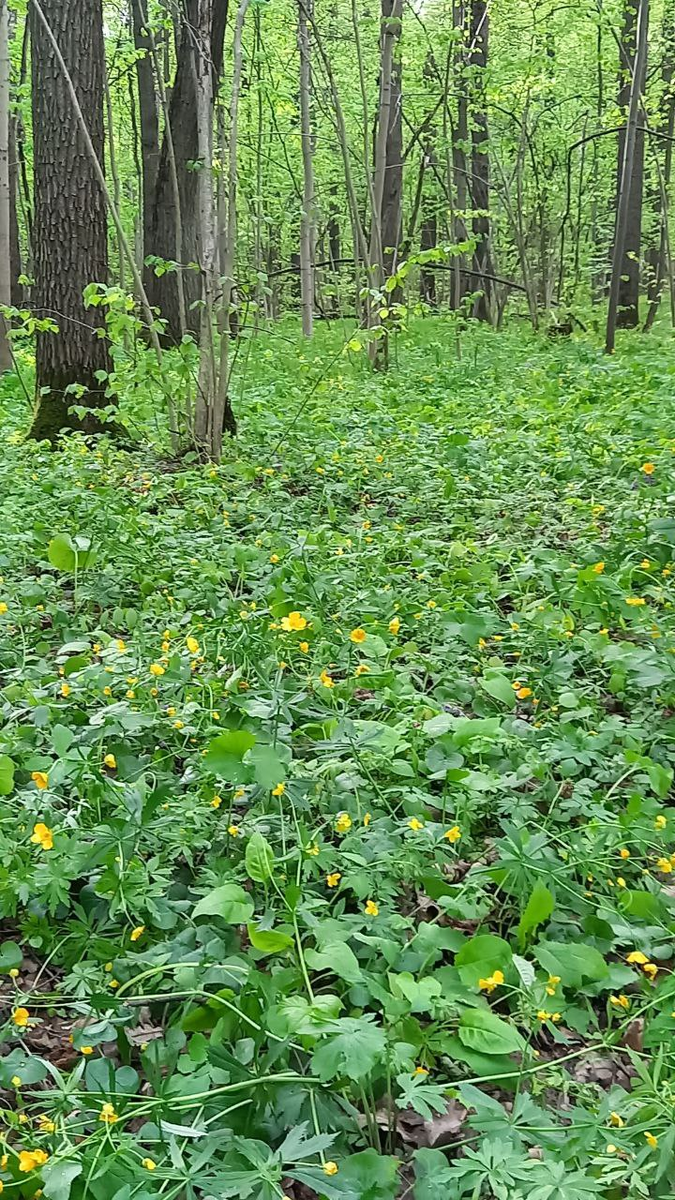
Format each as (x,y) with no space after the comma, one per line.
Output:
(318,965)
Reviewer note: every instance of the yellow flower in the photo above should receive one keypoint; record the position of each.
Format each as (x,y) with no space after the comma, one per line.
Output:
(15,1081)
(553,981)
(362,669)
(110,761)
(148,1163)
(367,819)
(488,985)
(137,933)
(371,909)
(330,1168)
(645,564)
(216,802)
(616,1121)
(65,689)
(610,1148)
(636,956)
(453,835)
(326,679)
(624,853)
(648,468)
(42,836)
(20,1017)
(156,669)
(121,646)
(620,881)
(635,601)
(233,830)
(650,969)
(192,645)
(599,568)
(358,636)
(651,1140)
(30,1159)
(664,865)
(274,558)
(279,789)
(523,693)
(293,622)
(333,879)
(45,1125)
(394,625)
(343,823)
(166,646)
(312,849)
(542,1015)
(415,825)
(660,822)
(3,608)
(41,780)
(108,1114)
(304,646)
(86,1050)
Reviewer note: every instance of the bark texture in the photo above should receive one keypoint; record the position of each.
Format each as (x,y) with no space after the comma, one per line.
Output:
(480,160)
(149,115)
(628,314)
(392,11)
(70,226)
(161,221)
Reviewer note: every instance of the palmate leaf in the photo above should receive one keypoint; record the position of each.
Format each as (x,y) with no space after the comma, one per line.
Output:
(356,1046)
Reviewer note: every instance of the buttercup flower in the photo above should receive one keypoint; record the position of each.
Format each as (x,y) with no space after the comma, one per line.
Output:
(279,789)
(330,1168)
(648,468)
(30,1159)
(358,636)
(110,761)
(293,622)
(415,825)
(156,669)
(41,780)
(599,568)
(453,835)
(137,933)
(491,982)
(192,645)
(20,1017)
(660,822)
(149,1164)
(326,679)
(333,879)
(651,1140)
(637,957)
(394,625)
(108,1114)
(343,823)
(233,830)
(635,601)
(42,836)
(371,909)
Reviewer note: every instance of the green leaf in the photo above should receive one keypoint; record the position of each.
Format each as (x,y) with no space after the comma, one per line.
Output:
(537,910)
(433,1175)
(68,555)
(6,775)
(58,1176)
(574,962)
(259,858)
(11,957)
(338,958)
(482,1030)
(481,956)
(499,687)
(357,1046)
(269,941)
(225,753)
(230,902)
(268,769)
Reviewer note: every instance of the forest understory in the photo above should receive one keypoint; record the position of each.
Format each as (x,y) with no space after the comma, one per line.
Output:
(336,836)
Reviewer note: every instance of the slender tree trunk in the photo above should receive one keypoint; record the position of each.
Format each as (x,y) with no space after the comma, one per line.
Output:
(480,162)
(70,226)
(162,237)
(5,205)
(208,249)
(663,122)
(625,213)
(628,313)
(307,219)
(16,292)
(148,112)
(392,191)
(460,142)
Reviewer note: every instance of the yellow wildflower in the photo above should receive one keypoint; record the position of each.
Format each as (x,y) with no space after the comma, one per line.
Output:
(650,969)
(110,761)
(149,1164)
(637,957)
(362,669)
(216,802)
(192,645)
(645,564)
(616,1121)
(293,622)
(343,823)
(20,1017)
(108,1114)
(664,865)
(86,1050)
(326,679)
(523,693)
(453,835)
(333,878)
(651,1140)
(371,909)
(648,468)
(491,982)
(41,780)
(358,636)
(367,819)
(42,836)
(156,669)
(394,625)
(415,825)
(65,690)
(233,830)
(660,822)
(599,568)
(624,852)
(304,646)
(330,1168)
(30,1159)
(45,1125)
(3,608)
(137,933)
(279,789)
(635,601)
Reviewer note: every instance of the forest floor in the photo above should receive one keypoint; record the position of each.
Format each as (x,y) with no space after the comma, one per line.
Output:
(335,838)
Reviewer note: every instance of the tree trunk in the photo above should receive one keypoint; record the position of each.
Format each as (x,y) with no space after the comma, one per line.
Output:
(460,142)
(149,115)
(628,314)
(163,291)
(392,13)
(480,162)
(625,213)
(70,225)
(16,288)
(663,122)
(307,221)
(5,213)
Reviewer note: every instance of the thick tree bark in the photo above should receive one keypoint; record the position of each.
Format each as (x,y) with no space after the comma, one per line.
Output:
(664,122)
(161,225)
(149,115)
(625,213)
(480,161)
(628,314)
(70,225)
(5,205)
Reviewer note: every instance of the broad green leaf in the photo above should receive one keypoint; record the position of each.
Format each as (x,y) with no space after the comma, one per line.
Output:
(354,1047)
(574,962)
(268,768)
(225,753)
(229,901)
(6,775)
(269,941)
(499,687)
(58,1176)
(338,958)
(484,1031)
(259,858)
(538,909)
(481,956)
(11,957)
